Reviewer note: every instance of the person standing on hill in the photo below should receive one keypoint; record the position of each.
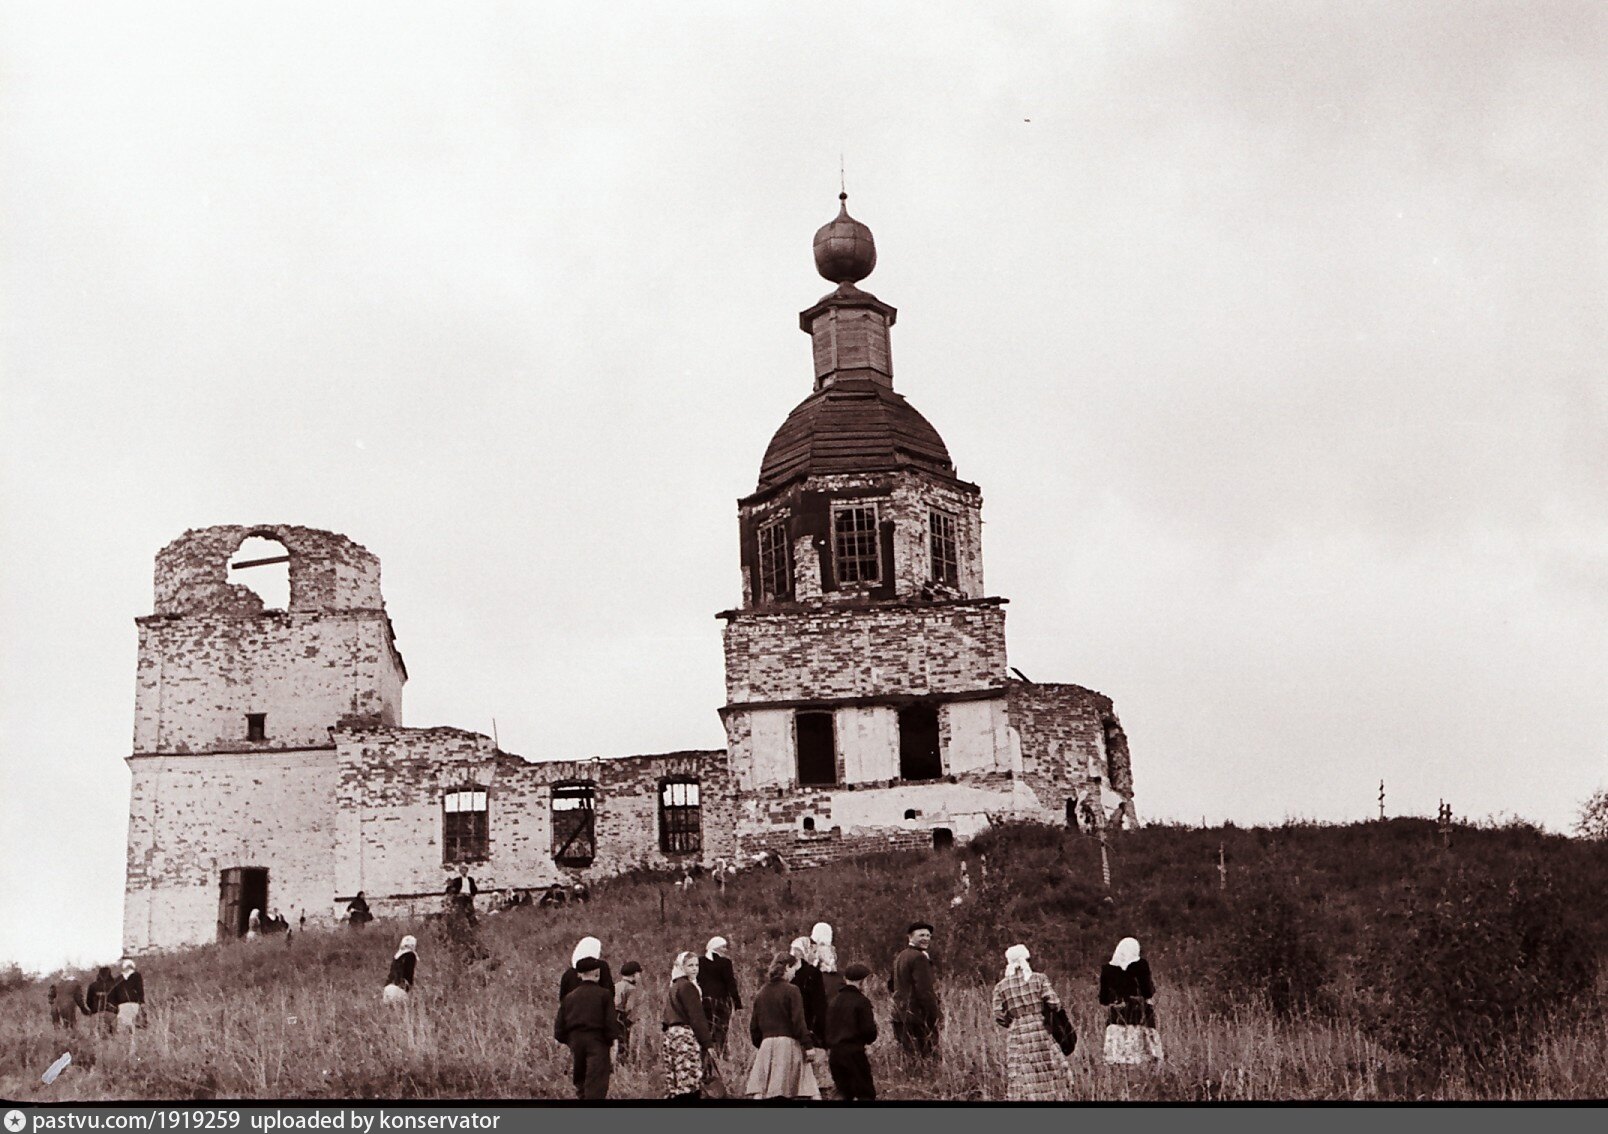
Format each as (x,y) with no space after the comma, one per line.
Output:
(851,1027)
(399,980)
(626,996)
(812,988)
(777,1027)
(1126,989)
(66,1002)
(826,959)
(98,1000)
(461,891)
(588,1023)
(687,1036)
(917,1013)
(357,912)
(128,995)
(571,980)
(721,995)
(1035,1069)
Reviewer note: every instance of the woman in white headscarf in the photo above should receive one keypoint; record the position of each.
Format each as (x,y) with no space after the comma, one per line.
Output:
(571,980)
(1127,991)
(687,1036)
(1035,1067)
(826,959)
(128,995)
(253,925)
(399,981)
(717,978)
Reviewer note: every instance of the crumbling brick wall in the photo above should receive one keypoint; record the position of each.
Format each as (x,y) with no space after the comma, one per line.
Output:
(1072,747)
(392,782)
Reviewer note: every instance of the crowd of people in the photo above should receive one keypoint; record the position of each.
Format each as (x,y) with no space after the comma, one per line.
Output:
(811,1022)
(116,1002)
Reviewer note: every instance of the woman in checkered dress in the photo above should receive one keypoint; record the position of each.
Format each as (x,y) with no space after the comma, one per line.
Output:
(1035,1069)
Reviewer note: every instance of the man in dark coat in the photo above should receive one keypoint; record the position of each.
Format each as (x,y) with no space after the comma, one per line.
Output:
(721,996)
(851,1026)
(98,999)
(461,889)
(66,1002)
(588,1023)
(916,1011)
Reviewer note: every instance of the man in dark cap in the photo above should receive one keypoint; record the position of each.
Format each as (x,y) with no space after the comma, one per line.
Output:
(916,1011)
(588,1023)
(850,1027)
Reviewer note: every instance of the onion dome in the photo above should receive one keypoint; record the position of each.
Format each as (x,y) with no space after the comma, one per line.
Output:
(844,250)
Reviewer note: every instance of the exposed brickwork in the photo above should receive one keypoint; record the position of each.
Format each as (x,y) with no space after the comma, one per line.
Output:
(1072,747)
(327,572)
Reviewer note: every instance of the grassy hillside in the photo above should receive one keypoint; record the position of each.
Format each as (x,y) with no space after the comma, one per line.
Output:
(1358,962)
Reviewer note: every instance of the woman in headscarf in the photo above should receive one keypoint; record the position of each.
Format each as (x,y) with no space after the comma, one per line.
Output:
(254,925)
(399,981)
(811,984)
(571,980)
(777,1027)
(826,959)
(687,1037)
(128,995)
(721,996)
(1035,1069)
(1127,990)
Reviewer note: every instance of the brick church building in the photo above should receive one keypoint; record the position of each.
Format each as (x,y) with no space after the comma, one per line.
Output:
(869,704)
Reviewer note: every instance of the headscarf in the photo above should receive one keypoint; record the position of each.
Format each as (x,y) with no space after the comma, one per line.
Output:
(715,943)
(1127,953)
(679,969)
(588,947)
(825,953)
(1016,962)
(128,965)
(255,918)
(803,948)
(409,945)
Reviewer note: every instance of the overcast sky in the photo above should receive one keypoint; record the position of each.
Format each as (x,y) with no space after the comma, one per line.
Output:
(1273,333)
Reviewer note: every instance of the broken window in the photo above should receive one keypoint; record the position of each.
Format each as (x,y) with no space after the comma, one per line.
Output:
(680,816)
(919,757)
(465,834)
(266,566)
(945,557)
(574,829)
(775,573)
(256,726)
(817,748)
(855,557)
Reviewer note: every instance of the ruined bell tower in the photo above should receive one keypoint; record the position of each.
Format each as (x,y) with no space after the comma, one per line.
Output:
(233,762)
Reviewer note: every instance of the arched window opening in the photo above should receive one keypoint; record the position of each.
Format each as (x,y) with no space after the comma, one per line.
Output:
(809,822)
(910,813)
(262,566)
(942,838)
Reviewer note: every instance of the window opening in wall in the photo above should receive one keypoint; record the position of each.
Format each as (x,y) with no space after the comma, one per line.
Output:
(1072,814)
(910,813)
(680,816)
(855,556)
(942,838)
(919,757)
(775,573)
(241,889)
(809,822)
(256,726)
(817,748)
(945,555)
(465,832)
(262,566)
(574,824)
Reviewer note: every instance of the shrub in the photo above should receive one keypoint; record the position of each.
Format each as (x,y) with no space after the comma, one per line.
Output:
(1592,822)
(1272,948)
(1469,970)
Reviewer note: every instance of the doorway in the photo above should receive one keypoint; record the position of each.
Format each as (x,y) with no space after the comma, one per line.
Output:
(919,751)
(241,889)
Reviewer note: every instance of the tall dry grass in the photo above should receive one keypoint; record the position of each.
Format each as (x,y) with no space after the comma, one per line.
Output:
(267,1020)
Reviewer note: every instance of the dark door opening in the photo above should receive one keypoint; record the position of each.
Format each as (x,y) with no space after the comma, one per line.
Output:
(1072,814)
(816,745)
(241,889)
(942,838)
(919,757)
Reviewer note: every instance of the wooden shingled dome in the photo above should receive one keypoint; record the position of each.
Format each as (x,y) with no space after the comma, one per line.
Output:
(852,426)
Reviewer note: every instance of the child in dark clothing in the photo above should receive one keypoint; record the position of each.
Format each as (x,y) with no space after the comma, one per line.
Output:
(625,1004)
(850,1027)
(588,1023)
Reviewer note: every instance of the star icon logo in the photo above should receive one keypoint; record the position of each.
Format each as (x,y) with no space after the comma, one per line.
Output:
(15,1121)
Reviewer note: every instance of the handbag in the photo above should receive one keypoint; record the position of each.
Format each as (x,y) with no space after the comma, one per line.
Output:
(1059,1025)
(713,1087)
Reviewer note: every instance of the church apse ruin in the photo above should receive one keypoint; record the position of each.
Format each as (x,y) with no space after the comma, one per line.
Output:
(868,701)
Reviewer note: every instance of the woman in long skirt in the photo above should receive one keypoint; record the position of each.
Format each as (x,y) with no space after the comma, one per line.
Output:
(687,1036)
(1035,1069)
(1127,991)
(776,1025)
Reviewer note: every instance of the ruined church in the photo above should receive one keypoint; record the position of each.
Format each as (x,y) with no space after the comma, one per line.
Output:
(868,704)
